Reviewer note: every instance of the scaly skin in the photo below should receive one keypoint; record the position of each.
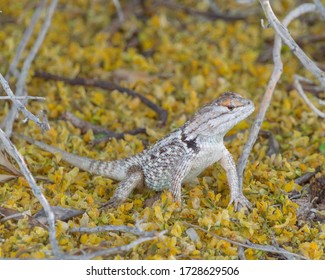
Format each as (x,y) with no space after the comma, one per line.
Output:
(179,157)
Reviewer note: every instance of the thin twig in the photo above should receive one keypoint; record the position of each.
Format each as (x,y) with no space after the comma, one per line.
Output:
(85,126)
(248,244)
(134,230)
(20,85)
(119,10)
(283,32)
(106,85)
(116,250)
(12,151)
(297,79)
(22,97)
(119,135)
(307,177)
(44,125)
(320,8)
(209,15)
(274,146)
(22,44)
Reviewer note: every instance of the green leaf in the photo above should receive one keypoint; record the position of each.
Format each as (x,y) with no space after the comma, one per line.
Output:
(322,148)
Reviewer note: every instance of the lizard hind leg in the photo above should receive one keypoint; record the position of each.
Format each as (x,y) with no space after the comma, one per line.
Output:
(134,180)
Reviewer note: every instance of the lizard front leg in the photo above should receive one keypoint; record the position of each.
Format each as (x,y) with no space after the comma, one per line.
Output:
(134,179)
(236,194)
(181,171)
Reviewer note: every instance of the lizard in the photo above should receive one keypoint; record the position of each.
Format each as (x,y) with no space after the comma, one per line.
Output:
(177,158)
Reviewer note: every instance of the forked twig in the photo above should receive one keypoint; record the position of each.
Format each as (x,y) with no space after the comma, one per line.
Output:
(20,85)
(43,124)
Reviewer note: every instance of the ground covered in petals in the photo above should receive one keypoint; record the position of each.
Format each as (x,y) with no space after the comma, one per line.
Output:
(179,61)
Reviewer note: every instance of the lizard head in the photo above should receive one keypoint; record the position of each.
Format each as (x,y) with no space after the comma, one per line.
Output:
(219,116)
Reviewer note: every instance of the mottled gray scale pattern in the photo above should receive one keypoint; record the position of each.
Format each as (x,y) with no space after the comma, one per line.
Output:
(116,169)
(159,162)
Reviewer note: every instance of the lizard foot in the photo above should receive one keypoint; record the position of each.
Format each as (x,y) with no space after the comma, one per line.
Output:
(239,202)
(112,203)
(150,201)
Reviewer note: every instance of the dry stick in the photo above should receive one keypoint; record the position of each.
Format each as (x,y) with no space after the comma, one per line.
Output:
(297,79)
(27,64)
(248,244)
(210,15)
(19,105)
(119,10)
(117,250)
(320,8)
(22,97)
(106,85)
(22,45)
(276,74)
(85,126)
(12,151)
(134,230)
(288,40)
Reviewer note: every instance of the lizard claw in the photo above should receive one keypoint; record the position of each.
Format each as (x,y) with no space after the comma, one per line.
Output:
(239,202)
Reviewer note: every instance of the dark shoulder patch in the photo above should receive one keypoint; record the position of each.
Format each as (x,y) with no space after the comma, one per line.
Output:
(191,144)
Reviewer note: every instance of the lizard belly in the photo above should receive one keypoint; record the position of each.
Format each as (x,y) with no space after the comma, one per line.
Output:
(208,155)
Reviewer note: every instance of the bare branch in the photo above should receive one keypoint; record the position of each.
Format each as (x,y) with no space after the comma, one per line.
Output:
(27,64)
(248,244)
(297,84)
(44,125)
(22,45)
(119,10)
(162,113)
(134,230)
(116,250)
(281,32)
(320,8)
(12,151)
(209,15)
(21,98)
(85,126)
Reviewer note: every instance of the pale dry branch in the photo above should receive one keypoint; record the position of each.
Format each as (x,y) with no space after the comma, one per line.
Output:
(116,250)
(22,44)
(22,98)
(119,10)
(297,84)
(320,8)
(248,244)
(134,230)
(20,85)
(44,125)
(281,33)
(13,152)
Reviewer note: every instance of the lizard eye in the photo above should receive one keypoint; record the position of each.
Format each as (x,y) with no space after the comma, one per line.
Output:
(230,107)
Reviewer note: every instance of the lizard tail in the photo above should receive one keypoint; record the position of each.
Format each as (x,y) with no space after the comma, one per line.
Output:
(116,170)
